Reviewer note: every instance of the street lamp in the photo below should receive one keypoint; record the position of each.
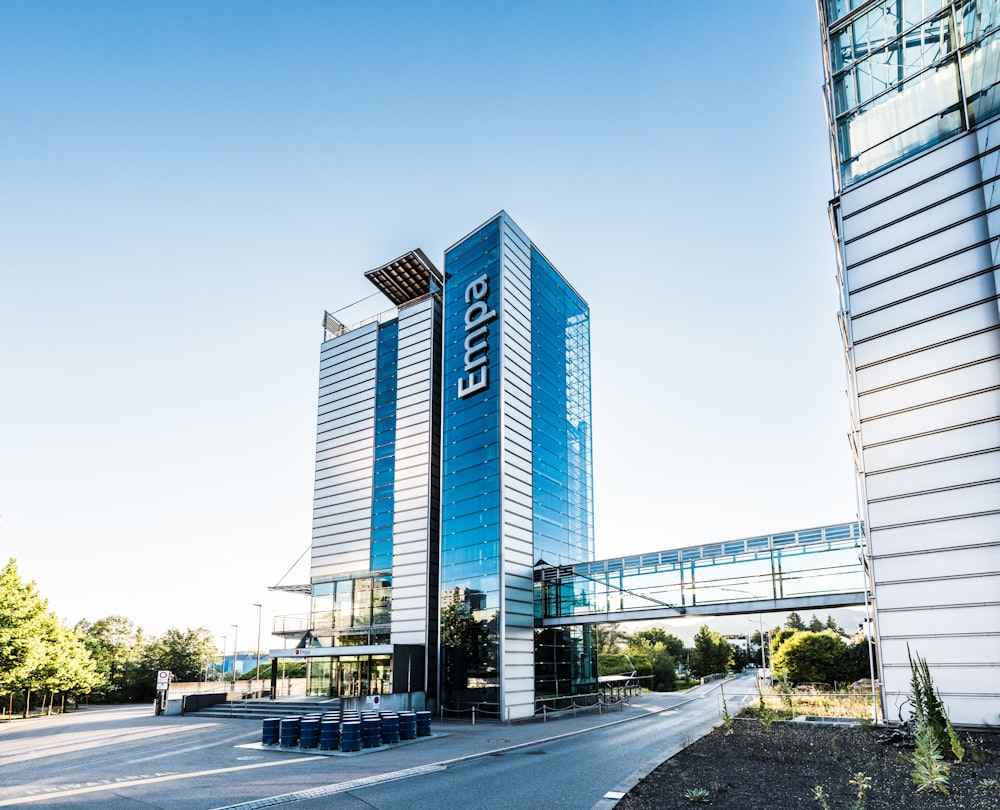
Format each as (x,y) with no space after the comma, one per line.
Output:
(236,631)
(257,674)
(222,669)
(760,618)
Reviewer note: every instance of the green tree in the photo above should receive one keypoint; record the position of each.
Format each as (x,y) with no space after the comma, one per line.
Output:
(657,635)
(711,653)
(67,666)
(652,646)
(37,652)
(185,653)
(117,646)
(779,637)
(831,624)
(815,625)
(794,622)
(23,614)
(809,656)
(608,638)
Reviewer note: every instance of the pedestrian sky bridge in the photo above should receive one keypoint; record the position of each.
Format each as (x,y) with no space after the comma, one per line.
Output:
(811,569)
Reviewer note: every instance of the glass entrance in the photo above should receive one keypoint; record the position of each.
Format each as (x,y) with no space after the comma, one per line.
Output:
(350,676)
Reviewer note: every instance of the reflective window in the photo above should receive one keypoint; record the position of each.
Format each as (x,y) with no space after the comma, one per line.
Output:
(351,608)
(899,70)
(561,422)
(383,478)
(470,514)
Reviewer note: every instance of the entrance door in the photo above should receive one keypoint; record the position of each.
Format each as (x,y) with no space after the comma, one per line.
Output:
(352,676)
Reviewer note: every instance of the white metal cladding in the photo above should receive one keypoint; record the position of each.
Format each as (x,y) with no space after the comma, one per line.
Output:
(924,335)
(517,653)
(344,454)
(411,543)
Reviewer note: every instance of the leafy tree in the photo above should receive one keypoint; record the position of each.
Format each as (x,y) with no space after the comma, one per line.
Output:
(815,625)
(711,653)
(742,657)
(664,671)
(809,656)
(779,637)
(37,652)
(67,666)
(609,637)
(117,646)
(185,653)
(653,646)
(832,625)
(23,614)
(657,635)
(794,622)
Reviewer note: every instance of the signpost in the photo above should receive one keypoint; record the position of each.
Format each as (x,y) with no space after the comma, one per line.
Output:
(162,686)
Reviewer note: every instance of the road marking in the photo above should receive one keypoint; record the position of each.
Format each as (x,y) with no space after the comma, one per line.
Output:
(69,741)
(329,790)
(112,784)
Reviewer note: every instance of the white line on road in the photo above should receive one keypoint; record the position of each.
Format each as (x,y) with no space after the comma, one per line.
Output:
(117,784)
(328,790)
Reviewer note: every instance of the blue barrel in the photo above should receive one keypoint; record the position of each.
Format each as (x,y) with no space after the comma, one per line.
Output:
(390,728)
(423,724)
(329,734)
(289,730)
(350,736)
(407,726)
(309,732)
(270,733)
(371,731)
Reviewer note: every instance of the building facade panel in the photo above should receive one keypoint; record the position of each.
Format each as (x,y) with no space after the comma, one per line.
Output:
(918,254)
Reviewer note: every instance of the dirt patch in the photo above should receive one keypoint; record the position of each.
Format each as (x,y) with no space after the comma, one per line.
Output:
(777,767)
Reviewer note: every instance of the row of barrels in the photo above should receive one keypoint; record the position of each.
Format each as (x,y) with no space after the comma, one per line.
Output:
(352,732)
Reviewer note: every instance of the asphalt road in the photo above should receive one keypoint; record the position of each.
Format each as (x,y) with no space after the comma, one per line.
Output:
(124,758)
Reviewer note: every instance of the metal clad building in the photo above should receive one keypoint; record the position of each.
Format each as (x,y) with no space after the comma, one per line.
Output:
(453,454)
(912,93)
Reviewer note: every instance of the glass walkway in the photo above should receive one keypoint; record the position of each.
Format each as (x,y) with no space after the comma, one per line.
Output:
(808,569)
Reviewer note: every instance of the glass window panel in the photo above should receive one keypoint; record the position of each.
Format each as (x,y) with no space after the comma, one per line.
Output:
(923,112)
(981,64)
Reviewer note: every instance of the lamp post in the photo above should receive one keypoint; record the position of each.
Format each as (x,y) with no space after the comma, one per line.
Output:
(257,673)
(760,618)
(222,669)
(236,631)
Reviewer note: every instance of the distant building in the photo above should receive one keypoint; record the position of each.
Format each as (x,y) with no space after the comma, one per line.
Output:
(913,99)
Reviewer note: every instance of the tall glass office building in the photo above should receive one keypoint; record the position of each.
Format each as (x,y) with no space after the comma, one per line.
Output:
(914,113)
(453,455)
(516,467)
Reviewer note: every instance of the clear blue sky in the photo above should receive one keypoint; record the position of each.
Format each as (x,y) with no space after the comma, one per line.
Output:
(185,187)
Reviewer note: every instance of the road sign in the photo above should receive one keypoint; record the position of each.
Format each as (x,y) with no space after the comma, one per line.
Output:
(162,680)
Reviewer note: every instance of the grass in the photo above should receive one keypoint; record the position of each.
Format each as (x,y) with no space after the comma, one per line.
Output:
(777,703)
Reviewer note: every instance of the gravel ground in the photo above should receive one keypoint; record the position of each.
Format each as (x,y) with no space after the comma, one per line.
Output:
(753,767)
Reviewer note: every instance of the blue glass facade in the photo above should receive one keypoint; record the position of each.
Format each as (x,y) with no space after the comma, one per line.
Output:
(471,500)
(516,451)
(384,466)
(561,444)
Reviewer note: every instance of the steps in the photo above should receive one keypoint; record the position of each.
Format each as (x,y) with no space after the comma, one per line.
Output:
(257,708)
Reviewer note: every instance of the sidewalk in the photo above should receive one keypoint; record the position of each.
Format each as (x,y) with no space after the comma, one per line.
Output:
(457,740)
